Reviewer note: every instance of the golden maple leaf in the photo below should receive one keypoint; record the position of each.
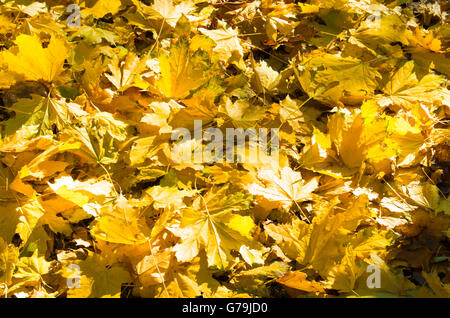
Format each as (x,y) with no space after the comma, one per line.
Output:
(32,61)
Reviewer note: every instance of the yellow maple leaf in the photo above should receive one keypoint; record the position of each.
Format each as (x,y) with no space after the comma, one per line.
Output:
(126,73)
(297,280)
(81,193)
(103,7)
(404,89)
(8,259)
(292,237)
(182,71)
(97,278)
(285,187)
(212,226)
(119,224)
(331,231)
(355,79)
(30,60)
(163,277)
(32,268)
(227,42)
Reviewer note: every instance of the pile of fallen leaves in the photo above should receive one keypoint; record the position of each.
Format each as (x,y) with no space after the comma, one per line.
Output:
(92,203)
